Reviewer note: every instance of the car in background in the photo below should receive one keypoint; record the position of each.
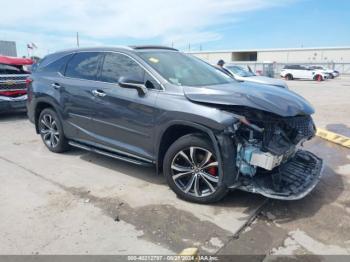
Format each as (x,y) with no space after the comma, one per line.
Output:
(13,85)
(290,72)
(332,73)
(241,74)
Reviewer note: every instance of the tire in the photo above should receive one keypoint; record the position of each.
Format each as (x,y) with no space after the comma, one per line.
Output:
(318,78)
(198,182)
(331,76)
(289,77)
(51,131)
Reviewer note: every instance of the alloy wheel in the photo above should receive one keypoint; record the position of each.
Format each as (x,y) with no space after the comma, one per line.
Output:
(49,130)
(195,171)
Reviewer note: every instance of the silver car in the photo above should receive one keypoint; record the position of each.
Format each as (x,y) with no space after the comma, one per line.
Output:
(241,74)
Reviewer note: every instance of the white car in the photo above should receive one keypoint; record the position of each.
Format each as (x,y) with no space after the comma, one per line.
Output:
(332,73)
(240,74)
(291,72)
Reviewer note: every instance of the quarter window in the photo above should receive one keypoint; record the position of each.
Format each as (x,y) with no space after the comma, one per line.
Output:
(84,65)
(118,65)
(55,66)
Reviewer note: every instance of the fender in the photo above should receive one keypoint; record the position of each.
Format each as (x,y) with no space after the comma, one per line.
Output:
(37,101)
(223,146)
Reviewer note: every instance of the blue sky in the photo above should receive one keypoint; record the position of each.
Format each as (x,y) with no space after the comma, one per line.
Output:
(223,24)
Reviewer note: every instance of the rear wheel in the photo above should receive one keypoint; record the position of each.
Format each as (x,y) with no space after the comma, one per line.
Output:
(192,171)
(51,131)
(289,77)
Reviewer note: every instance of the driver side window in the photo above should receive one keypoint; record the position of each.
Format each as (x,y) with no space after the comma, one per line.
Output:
(118,65)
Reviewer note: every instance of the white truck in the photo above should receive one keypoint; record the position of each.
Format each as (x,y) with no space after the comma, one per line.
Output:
(290,72)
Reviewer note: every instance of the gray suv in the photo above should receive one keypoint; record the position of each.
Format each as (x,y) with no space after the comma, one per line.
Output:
(153,105)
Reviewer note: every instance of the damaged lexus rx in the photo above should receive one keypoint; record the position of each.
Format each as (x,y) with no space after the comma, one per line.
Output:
(153,105)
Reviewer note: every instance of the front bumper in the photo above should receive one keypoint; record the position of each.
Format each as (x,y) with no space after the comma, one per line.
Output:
(290,181)
(8,104)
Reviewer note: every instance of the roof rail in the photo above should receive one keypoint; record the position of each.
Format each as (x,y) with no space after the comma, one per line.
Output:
(140,47)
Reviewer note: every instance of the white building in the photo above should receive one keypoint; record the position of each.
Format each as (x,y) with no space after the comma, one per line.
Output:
(282,55)
(8,48)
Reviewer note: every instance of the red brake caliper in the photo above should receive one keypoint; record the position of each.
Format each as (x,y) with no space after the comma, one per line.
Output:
(213,171)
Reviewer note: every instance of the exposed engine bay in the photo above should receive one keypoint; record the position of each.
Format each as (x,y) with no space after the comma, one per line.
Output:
(269,156)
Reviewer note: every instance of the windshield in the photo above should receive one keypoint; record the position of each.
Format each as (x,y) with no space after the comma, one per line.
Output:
(239,71)
(11,69)
(184,70)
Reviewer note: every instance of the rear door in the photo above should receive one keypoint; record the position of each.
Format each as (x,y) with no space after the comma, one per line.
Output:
(297,72)
(77,99)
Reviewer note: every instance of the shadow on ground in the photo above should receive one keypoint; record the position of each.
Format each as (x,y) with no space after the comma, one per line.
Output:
(12,116)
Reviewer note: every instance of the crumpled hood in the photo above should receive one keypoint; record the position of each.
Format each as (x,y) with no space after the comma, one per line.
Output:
(279,101)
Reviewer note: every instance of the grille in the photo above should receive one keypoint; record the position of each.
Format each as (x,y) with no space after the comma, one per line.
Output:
(13,78)
(12,87)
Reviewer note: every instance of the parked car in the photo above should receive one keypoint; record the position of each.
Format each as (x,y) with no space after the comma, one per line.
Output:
(13,90)
(151,105)
(291,72)
(239,73)
(332,73)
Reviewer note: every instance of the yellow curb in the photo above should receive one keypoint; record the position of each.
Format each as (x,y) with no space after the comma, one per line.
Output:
(190,252)
(333,137)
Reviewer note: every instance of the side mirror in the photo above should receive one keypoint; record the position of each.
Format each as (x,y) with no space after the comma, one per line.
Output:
(125,82)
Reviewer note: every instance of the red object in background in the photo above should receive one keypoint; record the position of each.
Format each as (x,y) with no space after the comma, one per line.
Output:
(13,93)
(9,60)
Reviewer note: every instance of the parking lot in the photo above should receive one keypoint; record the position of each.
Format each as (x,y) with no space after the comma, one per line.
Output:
(83,203)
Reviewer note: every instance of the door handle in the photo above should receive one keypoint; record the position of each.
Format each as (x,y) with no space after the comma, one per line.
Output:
(98,93)
(56,86)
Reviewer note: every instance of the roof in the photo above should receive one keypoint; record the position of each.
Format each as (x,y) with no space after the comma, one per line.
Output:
(9,60)
(142,47)
(271,49)
(115,48)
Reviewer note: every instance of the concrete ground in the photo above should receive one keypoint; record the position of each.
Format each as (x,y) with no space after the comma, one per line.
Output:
(82,203)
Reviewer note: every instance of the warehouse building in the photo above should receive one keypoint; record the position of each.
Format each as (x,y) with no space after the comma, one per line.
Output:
(282,55)
(8,48)
(331,57)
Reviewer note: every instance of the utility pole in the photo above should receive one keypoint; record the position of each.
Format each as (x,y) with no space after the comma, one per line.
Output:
(189,46)
(172,44)
(77,39)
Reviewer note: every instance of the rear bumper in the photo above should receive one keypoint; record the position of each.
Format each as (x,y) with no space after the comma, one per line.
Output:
(12,103)
(291,181)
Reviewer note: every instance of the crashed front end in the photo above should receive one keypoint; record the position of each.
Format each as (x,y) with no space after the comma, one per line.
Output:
(268,155)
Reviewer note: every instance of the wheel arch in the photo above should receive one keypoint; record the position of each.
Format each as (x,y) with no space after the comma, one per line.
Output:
(39,107)
(177,129)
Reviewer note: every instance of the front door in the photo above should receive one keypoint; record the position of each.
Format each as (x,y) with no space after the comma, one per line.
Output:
(124,120)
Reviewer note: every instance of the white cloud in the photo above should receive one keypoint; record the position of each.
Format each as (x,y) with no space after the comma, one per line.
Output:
(179,21)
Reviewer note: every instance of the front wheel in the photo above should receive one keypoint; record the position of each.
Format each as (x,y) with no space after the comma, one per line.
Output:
(192,170)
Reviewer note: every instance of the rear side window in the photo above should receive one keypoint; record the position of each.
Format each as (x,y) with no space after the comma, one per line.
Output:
(84,65)
(118,65)
(55,66)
